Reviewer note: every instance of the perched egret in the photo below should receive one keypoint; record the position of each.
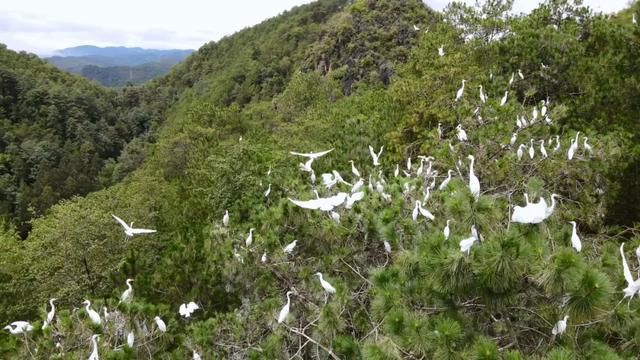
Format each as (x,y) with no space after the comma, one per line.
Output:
(466,244)
(374,156)
(50,314)
(543,111)
(446,231)
(196,356)
(551,208)
(504,98)
(284,312)
(325,284)
(335,217)
(268,191)
(483,98)
(263,259)
(94,354)
(445,182)
(571,150)
(160,324)
(633,286)
(357,186)
(289,248)
(19,327)
(439,132)
(441,50)
(634,21)
(129,230)
(93,315)
(519,152)
(543,151)
(420,168)
(355,171)
(586,146)
(560,327)
(474,183)
(460,91)
(105,313)
(387,247)
(520,74)
(249,240)
(426,213)
(534,114)
(225,218)
(514,137)
(557,147)
(306,167)
(462,135)
(575,240)
(396,172)
(187,309)
(353,198)
(511,80)
(127,295)
(130,339)
(324,204)
(330,180)
(532,151)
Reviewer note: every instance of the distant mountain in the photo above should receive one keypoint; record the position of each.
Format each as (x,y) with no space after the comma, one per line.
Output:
(117,66)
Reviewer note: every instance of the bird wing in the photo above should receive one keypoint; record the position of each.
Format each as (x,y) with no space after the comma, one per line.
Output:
(142,231)
(625,266)
(381,149)
(183,310)
(312,155)
(353,198)
(124,224)
(307,204)
(191,307)
(373,154)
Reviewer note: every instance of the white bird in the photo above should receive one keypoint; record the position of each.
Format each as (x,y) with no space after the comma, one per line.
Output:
(638,253)
(19,327)
(196,356)
(483,98)
(249,240)
(551,208)
(269,171)
(534,114)
(575,240)
(520,74)
(543,111)
(325,284)
(330,180)
(462,135)
(353,198)
(439,131)
(441,50)
(519,152)
(161,325)
(355,171)
(446,231)
(396,172)
(94,354)
(532,151)
(474,182)
(335,216)
(633,286)
(543,151)
(50,314)
(514,137)
(387,247)
(504,98)
(306,167)
(130,339)
(511,80)
(586,146)
(374,156)
(263,259)
(105,313)
(93,315)
(571,150)
(268,191)
(127,295)
(445,182)
(284,312)
(357,186)
(187,309)
(415,28)
(634,21)
(289,248)
(560,327)
(420,168)
(313,156)
(129,230)
(466,244)
(460,91)
(557,147)
(324,204)
(225,218)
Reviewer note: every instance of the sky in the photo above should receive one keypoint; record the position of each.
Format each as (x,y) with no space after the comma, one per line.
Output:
(43,26)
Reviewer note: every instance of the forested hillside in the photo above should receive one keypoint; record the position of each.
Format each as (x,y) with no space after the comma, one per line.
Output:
(489,212)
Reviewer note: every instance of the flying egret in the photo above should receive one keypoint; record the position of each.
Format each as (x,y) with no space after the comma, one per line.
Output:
(284,312)
(543,151)
(130,339)
(387,247)
(575,240)
(446,231)
(462,135)
(474,183)
(314,156)
(129,230)
(514,137)
(357,186)
(127,295)
(483,98)
(19,327)
(519,152)
(160,324)
(94,353)
(504,98)
(93,315)
(225,218)
(466,244)
(324,204)
(268,191)
(325,284)
(571,150)
(441,50)
(460,91)
(306,167)
(187,309)
(633,286)
(289,248)
(445,182)
(586,146)
(532,151)
(249,240)
(353,198)
(374,156)
(355,171)
(330,180)
(560,327)
(50,314)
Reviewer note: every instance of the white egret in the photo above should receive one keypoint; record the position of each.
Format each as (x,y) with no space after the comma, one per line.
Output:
(387,247)
(306,167)
(557,147)
(93,315)
(543,111)
(420,168)
(225,218)
(504,98)
(324,204)
(446,231)
(312,177)
(355,171)
(415,28)
(374,156)
(130,339)
(520,74)
(19,327)
(483,98)
(160,324)
(474,182)
(312,155)
(634,21)
(439,131)
(514,137)
(196,356)
(284,312)
(357,186)
(445,182)
(551,208)
(560,327)
(268,191)
(511,80)
(396,172)
(263,259)
(571,150)
(325,284)
(519,152)
(94,354)
(424,212)
(129,230)
(187,309)
(330,180)
(335,216)
(353,198)
(519,123)
(534,114)
(532,151)
(127,295)
(289,248)
(269,171)
(466,244)
(586,146)
(105,313)
(575,239)
(460,91)
(462,135)
(638,253)
(441,50)
(50,314)
(543,151)
(633,286)
(249,240)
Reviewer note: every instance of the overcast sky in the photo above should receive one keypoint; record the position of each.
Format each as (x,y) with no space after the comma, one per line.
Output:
(42,26)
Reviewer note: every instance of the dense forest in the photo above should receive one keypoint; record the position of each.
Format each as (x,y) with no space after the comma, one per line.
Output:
(478,199)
